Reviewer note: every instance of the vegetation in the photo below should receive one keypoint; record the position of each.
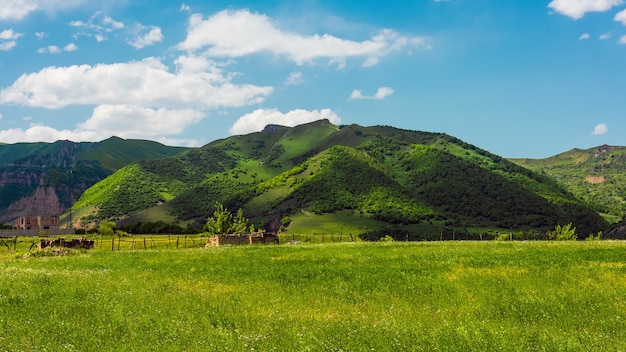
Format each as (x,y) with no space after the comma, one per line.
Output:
(563,233)
(223,222)
(26,166)
(391,176)
(595,175)
(451,296)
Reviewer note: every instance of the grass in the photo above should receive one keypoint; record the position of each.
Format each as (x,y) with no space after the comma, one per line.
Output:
(450,296)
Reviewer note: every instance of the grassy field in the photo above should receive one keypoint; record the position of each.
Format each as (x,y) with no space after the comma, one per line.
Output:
(450,296)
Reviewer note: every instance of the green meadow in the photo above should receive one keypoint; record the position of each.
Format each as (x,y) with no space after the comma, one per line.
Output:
(396,296)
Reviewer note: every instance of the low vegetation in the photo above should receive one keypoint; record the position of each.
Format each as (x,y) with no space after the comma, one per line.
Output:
(388,296)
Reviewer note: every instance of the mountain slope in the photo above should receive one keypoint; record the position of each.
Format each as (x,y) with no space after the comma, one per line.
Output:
(595,175)
(382,175)
(62,170)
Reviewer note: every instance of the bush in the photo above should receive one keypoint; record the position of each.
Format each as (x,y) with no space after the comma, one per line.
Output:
(563,233)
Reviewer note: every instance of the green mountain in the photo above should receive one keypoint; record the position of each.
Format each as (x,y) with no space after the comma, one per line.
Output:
(596,175)
(40,178)
(322,177)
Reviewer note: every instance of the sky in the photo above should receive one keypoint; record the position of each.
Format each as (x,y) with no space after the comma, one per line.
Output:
(521,79)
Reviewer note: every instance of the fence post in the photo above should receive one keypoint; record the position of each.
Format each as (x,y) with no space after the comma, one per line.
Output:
(144,243)
(112,244)
(177,239)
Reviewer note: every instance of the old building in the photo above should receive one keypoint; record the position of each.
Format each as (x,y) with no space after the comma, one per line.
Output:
(37,223)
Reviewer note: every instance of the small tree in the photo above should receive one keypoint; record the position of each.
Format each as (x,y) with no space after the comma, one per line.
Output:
(106,228)
(239,223)
(223,221)
(563,233)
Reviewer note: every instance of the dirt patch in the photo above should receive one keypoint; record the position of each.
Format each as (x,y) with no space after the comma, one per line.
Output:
(595,179)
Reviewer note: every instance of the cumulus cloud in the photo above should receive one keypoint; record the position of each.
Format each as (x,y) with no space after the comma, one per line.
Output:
(294,78)
(53,49)
(142,83)
(145,36)
(97,26)
(584,36)
(622,39)
(600,129)
(40,35)
(605,36)
(70,47)
(231,34)
(620,17)
(8,39)
(381,93)
(258,119)
(137,99)
(50,49)
(576,9)
(185,8)
(19,9)
(138,122)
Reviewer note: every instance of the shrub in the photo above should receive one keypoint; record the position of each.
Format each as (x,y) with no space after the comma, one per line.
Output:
(563,233)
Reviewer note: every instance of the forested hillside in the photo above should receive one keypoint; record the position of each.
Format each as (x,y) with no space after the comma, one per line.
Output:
(596,176)
(59,172)
(388,177)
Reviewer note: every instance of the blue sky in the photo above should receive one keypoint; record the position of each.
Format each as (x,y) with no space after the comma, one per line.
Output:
(518,78)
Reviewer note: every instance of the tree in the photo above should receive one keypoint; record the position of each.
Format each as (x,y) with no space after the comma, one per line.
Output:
(563,233)
(239,223)
(106,228)
(223,221)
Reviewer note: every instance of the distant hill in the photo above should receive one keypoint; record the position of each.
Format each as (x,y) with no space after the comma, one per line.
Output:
(40,178)
(360,179)
(596,176)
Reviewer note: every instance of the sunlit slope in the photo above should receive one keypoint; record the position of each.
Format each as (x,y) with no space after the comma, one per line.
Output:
(596,176)
(384,174)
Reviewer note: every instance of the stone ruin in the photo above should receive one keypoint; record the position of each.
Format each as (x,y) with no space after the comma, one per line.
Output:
(235,239)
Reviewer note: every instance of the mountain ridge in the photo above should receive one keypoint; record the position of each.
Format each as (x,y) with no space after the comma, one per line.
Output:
(316,169)
(60,171)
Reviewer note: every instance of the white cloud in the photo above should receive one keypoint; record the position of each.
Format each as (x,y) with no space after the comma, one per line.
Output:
(70,47)
(0,116)
(145,36)
(142,83)
(53,49)
(600,129)
(185,8)
(39,133)
(16,9)
(124,121)
(605,36)
(8,39)
(622,39)
(97,26)
(381,93)
(294,78)
(576,9)
(50,49)
(240,33)
(584,36)
(621,17)
(138,122)
(40,35)
(19,9)
(258,119)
